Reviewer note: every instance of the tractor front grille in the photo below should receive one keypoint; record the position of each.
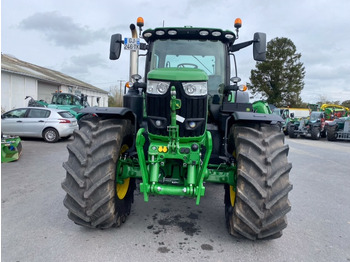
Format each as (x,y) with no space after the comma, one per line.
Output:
(193,109)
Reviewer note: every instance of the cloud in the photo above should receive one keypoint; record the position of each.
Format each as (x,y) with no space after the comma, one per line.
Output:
(62,30)
(81,65)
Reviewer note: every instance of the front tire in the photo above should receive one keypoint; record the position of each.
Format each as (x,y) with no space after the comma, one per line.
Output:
(257,207)
(93,198)
(315,133)
(286,131)
(291,131)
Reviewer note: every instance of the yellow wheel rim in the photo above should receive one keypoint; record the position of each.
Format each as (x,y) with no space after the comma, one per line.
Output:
(232,196)
(123,149)
(122,189)
(232,192)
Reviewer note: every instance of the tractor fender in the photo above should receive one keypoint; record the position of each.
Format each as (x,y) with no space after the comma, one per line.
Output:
(252,117)
(258,117)
(332,123)
(316,124)
(111,112)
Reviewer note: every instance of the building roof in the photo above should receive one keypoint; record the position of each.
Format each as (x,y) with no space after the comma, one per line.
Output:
(13,65)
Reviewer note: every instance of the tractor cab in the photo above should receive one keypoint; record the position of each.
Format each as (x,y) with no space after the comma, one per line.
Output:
(69,99)
(317,117)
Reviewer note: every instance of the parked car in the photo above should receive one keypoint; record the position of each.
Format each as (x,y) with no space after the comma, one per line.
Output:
(48,123)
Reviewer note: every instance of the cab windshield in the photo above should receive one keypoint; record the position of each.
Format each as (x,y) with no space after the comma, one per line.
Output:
(208,56)
(314,116)
(67,99)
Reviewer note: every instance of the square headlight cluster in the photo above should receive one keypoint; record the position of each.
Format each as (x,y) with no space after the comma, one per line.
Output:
(157,87)
(195,88)
(190,88)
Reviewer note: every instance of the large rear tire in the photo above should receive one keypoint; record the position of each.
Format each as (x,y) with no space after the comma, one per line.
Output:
(331,133)
(93,198)
(257,207)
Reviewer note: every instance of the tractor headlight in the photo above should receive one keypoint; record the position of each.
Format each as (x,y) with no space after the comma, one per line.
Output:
(157,87)
(195,88)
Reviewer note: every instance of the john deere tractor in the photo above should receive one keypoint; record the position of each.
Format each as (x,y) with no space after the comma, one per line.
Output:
(184,125)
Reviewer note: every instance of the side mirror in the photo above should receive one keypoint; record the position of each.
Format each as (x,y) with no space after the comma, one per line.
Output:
(82,99)
(291,115)
(116,46)
(259,47)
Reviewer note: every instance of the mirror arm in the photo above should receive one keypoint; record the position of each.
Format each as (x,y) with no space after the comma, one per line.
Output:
(143,46)
(239,46)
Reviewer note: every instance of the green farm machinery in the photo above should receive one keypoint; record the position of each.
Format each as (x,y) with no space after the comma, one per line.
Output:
(11,148)
(291,115)
(64,101)
(184,126)
(325,120)
(339,129)
(312,126)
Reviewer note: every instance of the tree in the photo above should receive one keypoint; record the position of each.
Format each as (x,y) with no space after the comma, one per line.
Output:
(115,96)
(346,103)
(279,79)
(111,101)
(324,100)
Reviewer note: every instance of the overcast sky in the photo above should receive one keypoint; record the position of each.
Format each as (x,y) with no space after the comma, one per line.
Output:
(73,36)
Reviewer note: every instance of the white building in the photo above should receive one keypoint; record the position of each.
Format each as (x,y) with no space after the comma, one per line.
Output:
(20,79)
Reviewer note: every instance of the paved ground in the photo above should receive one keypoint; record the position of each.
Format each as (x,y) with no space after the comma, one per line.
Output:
(35,226)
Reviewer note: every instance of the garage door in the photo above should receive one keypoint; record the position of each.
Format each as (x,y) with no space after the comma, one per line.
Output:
(45,91)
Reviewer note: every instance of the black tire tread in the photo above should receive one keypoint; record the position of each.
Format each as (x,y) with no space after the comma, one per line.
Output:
(315,133)
(291,132)
(90,173)
(263,183)
(331,131)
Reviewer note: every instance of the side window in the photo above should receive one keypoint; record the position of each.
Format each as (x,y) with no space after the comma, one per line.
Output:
(54,99)
(65,100)
(155,62)
(38,113)
(18,113)
(66,114)
(76,101)
(59,100)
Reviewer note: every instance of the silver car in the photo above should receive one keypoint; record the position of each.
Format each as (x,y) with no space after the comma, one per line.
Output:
(48,123)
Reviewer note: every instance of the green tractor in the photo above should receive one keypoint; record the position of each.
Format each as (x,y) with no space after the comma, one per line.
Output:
(185,126)
(312,126)
(290,116)
(64,101)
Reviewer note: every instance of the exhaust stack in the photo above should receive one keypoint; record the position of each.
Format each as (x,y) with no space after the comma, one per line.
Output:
(134,56)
